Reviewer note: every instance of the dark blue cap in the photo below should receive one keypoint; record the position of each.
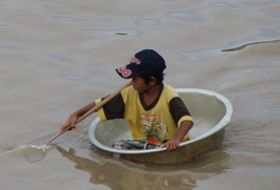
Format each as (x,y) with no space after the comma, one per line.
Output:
(150,63)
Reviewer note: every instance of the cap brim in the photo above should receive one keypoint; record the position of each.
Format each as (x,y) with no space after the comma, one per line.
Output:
(124,72)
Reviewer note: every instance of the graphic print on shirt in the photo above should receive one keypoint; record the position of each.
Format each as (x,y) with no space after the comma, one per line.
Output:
(154,130)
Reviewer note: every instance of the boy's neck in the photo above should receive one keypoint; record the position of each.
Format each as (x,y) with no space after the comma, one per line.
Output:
(153,90)
(150,97)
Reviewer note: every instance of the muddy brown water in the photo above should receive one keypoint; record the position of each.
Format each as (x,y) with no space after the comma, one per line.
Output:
(57,56)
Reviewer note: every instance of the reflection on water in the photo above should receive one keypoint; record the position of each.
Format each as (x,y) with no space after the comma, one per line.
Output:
(121,174)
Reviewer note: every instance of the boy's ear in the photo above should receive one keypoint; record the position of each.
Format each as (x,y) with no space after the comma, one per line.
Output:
(153,80)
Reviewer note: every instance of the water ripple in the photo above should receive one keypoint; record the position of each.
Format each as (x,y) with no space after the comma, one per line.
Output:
(97,72)
(68,18)
(64,59)
(189,15)
(249,44)
(74,77)
(260,3)
(200,54)
(223,5)
(10,47)
(122,32)
(148,22)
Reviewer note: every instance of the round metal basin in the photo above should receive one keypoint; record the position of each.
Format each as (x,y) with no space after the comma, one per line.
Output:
(211,113)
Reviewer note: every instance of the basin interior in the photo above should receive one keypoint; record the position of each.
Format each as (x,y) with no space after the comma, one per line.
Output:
(206,109)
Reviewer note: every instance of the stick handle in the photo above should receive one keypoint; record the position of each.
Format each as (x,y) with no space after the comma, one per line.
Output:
(92,110)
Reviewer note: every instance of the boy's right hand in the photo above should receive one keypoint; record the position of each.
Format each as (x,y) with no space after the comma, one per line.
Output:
(70,123)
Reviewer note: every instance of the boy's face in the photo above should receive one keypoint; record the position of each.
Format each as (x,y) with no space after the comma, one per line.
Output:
(139,84)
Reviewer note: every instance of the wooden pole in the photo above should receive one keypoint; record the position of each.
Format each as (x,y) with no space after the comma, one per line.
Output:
(92,110)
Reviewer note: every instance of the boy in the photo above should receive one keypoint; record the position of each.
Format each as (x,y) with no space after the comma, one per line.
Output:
(153,109)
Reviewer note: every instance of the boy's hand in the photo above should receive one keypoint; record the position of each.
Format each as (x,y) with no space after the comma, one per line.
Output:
(70,124)
(171,144)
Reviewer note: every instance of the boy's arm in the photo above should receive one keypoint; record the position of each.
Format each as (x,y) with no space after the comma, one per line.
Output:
(182,117)
(184,128)
(73,118)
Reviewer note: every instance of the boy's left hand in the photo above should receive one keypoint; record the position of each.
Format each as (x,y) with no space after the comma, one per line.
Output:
(171,144)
